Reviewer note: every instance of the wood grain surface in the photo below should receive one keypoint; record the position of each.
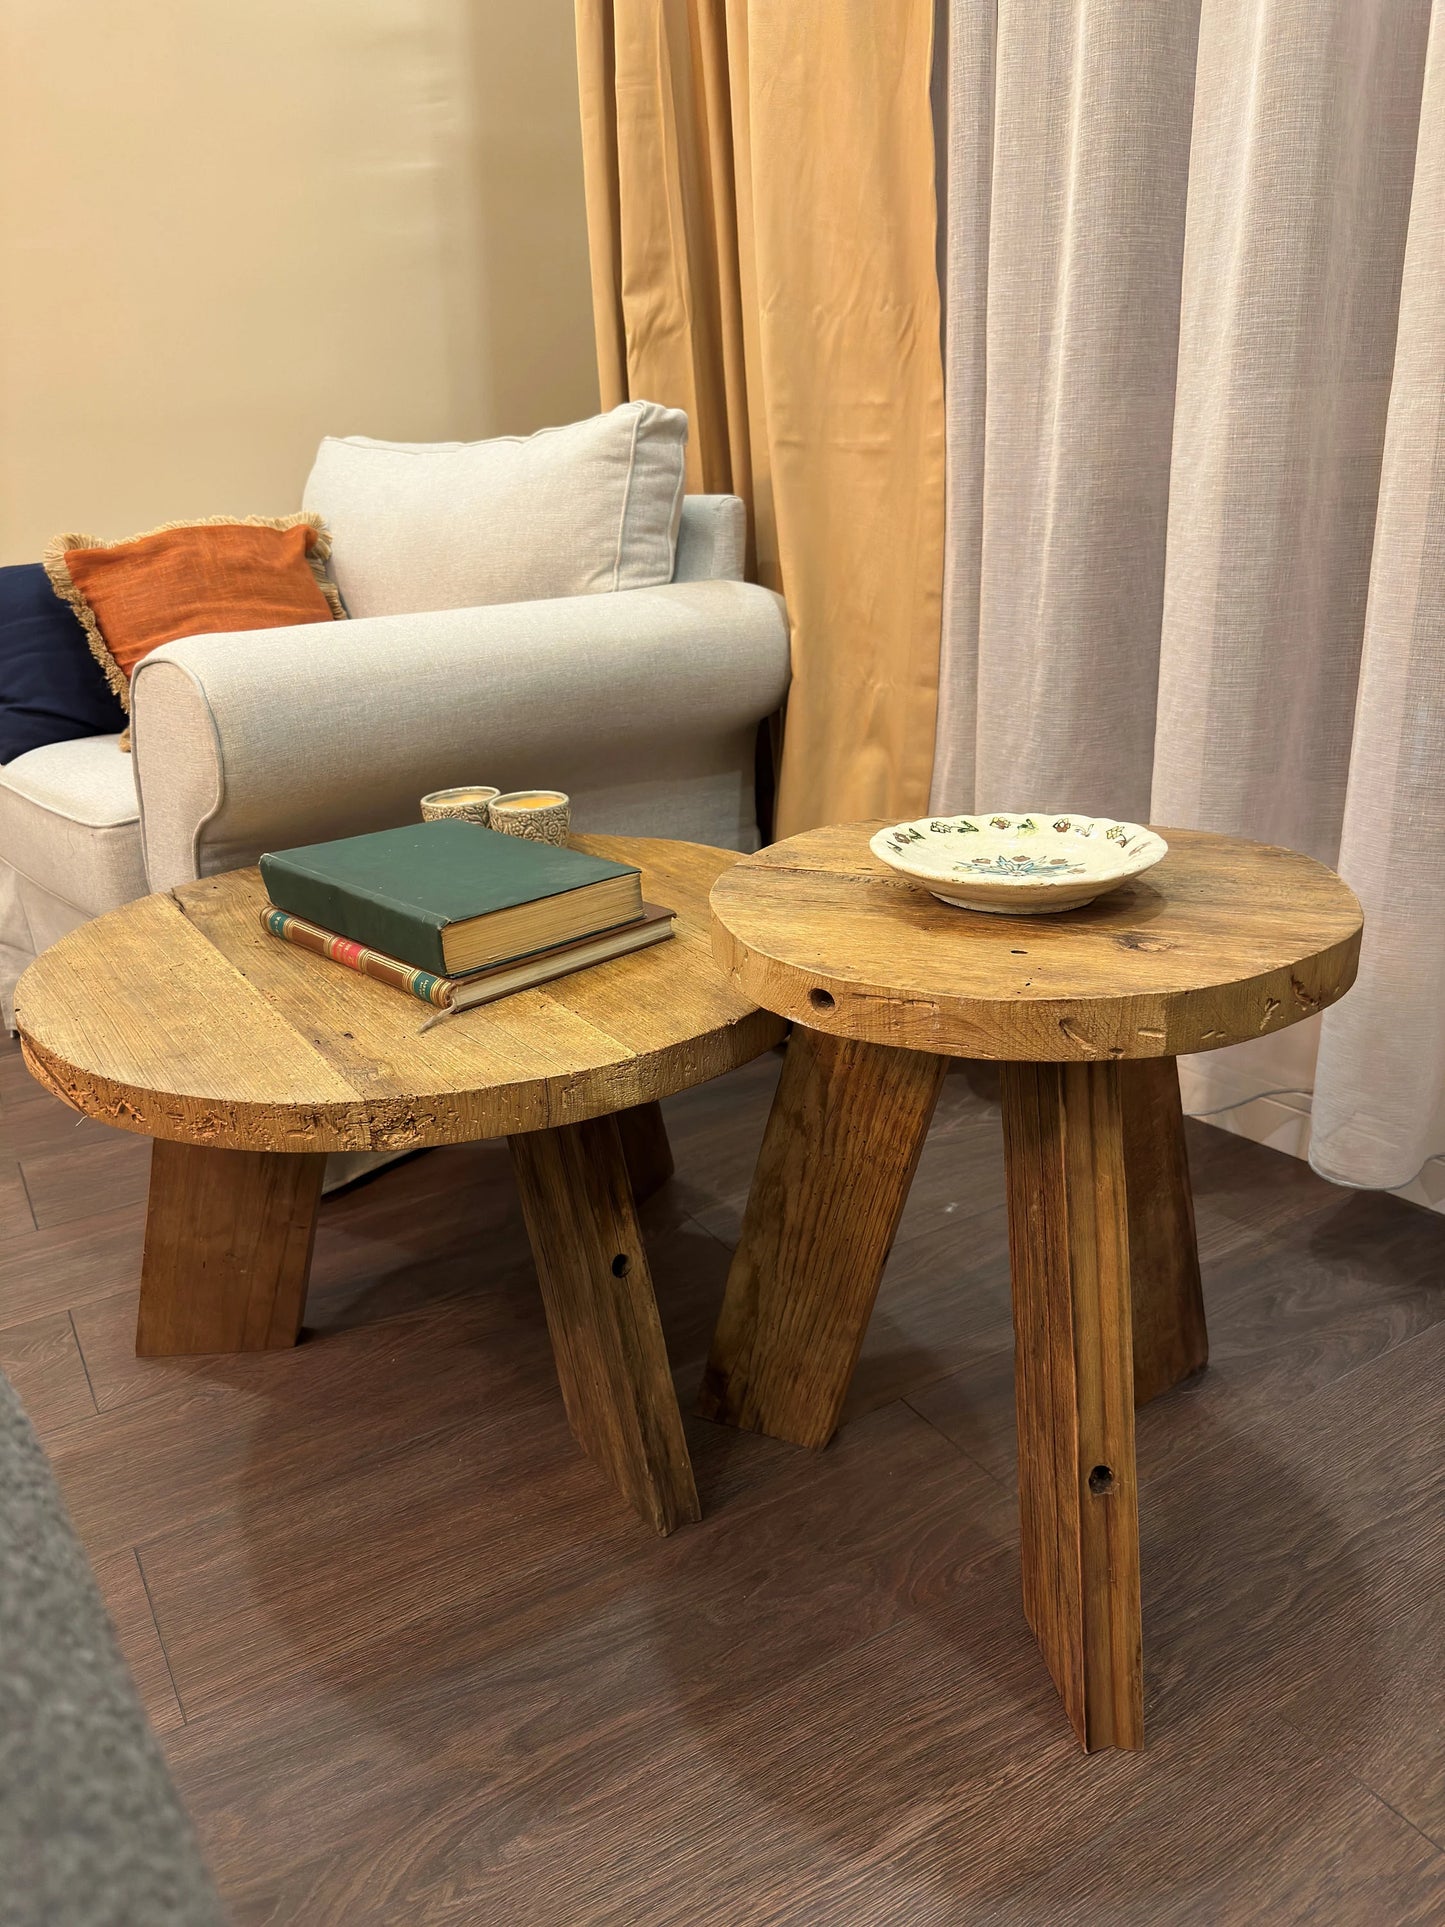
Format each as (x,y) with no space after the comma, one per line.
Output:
(1171,1341)
(838,1157)
(606,1336)
(227,1249)
(645,1149)
(1074,1385)
(1222,941)
(411,1664)
(180,1017)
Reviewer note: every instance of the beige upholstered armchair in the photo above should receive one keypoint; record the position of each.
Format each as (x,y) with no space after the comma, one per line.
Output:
(643,704)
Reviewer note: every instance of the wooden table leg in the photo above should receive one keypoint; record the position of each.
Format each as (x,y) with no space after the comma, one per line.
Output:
(601,1313)
(646,1149)
(1170,1338)
(227,1248)
(838,1157)
(1074,1384)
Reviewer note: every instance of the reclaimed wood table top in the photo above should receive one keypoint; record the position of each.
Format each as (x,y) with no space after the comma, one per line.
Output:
(1222,941)
(180,1017)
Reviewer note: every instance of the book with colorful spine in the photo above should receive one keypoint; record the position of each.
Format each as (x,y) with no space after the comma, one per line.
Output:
(451,897)
(478,986)
(430,988)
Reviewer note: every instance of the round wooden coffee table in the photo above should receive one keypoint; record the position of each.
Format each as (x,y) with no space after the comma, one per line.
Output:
(1222,941)
(247,1060)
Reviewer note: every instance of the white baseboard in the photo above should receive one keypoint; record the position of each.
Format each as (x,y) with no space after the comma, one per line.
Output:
(1281,1120)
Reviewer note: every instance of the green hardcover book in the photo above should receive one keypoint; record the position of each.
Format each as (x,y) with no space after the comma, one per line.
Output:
(450,896)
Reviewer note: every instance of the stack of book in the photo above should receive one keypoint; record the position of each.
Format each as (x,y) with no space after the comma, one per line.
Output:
(454,914)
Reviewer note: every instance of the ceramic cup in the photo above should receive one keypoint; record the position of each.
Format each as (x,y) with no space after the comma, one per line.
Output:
(544,815)
(472,803)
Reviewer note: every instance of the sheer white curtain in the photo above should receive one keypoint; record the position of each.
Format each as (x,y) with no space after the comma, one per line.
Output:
(1195,355)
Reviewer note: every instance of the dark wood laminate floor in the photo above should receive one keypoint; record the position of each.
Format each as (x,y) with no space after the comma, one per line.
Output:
(412,1662)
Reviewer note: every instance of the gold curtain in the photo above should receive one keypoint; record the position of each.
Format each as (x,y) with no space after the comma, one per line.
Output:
(760,203)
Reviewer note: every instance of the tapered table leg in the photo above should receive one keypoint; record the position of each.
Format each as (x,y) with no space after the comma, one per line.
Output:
(1170,1338)
(227,1248)
(1074,1384)
(646,1149)
(838,1156)
(602,1316)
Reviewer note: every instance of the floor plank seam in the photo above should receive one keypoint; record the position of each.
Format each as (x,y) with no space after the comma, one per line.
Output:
(930,1226)
(349,1678)
(160,1636)
(1261,1404)
(1330,1758)
(1002,1484)
(25,1193)
(165,1386)
(397,1448)
(1375,1794)
(698,1225)
(80,1354)
(1393,1352)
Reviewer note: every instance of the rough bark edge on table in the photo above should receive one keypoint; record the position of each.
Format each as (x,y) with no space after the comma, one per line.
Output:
(326,1105)
(398,1124)
(777,938)
(1060,1031)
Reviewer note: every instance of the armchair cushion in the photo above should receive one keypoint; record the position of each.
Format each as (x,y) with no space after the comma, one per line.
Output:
(69,821)
(572,511)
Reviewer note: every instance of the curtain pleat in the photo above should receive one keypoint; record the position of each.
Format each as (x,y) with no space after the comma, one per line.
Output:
(967,141)
(1194,466)
(761,209)
(1299,196)
(597,90)
(1378,1093)
(656,150)
(1062,402)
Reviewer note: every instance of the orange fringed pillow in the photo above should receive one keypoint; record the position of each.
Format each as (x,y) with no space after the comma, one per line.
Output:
(191,579)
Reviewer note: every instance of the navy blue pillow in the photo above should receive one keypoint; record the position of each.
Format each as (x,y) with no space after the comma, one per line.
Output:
(51,688)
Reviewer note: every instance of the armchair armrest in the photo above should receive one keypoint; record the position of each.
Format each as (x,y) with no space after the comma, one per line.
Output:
(643,706)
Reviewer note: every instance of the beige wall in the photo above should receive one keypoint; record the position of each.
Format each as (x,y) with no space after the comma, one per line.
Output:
(230,228)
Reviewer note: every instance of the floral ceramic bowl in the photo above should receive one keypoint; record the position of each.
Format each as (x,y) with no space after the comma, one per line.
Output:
(1021,866)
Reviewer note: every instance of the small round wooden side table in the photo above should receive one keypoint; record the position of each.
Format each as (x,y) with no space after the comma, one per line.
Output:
(1086,1011)
(247,1060)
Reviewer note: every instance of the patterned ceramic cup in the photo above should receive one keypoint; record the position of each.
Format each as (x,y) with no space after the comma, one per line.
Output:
(472,803)
(544,815)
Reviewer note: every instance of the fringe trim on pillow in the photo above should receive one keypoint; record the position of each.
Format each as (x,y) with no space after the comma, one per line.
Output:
(63,583)
(318,554)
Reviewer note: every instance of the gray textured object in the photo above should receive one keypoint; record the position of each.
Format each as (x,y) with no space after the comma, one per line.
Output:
(91,1831)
